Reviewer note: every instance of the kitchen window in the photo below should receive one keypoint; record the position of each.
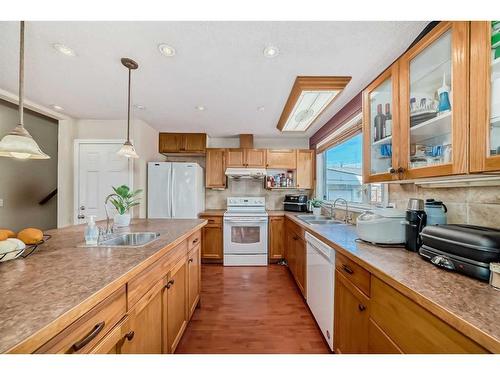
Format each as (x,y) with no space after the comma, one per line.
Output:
(340,171)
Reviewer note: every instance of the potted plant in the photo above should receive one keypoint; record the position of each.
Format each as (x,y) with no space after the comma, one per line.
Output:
(123,199)
(316,206)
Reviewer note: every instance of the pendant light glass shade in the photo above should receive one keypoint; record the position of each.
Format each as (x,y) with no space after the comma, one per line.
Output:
(19,143)
(128,150)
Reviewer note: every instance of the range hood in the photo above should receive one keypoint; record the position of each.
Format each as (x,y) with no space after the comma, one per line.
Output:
(245,172)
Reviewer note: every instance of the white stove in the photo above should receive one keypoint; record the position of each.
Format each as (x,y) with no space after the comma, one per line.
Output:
(245,232)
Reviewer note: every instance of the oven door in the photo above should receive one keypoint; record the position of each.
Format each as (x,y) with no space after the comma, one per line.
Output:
(245,235)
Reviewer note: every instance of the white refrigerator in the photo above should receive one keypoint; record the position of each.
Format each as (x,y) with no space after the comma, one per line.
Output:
(175,190)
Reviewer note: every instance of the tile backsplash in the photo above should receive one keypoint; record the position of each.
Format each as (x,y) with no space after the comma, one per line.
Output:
(469,205)
(216,199)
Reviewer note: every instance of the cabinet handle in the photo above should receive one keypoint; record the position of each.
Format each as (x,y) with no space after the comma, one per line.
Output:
(211,220)
(401,170)
(347,269)
(361,307)
(90,336)
(130,335)
(195,241)
(295,238)
(392,171)
(190,260)
(169,284)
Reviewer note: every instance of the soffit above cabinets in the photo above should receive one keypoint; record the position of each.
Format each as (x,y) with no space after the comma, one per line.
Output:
(308,99)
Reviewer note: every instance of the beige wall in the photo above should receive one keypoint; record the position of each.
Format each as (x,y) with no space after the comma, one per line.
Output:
(471,205)
(144,137)
(23,183)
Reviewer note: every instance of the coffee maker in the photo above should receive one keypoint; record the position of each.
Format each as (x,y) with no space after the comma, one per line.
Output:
(416,218)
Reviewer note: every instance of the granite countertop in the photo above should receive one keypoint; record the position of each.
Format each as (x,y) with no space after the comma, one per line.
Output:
(471,306)
(60,275)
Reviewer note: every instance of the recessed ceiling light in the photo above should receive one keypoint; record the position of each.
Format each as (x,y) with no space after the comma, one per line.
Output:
(261,108)
(271,51)
(139,106)
(57,107)
(200,108)
(65,50)
(166,50)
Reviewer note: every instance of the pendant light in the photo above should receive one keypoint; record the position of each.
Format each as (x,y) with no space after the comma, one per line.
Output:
(18,143)
(128,149)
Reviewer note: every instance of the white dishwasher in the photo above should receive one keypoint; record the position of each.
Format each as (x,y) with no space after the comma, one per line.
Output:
(320,284)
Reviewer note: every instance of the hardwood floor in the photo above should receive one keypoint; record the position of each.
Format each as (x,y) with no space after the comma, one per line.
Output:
(251,310)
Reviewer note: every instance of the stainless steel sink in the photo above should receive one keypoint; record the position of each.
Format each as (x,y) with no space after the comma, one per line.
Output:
(136,239)
(318,220)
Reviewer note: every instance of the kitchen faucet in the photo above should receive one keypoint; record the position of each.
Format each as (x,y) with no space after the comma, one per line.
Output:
(332,207)
(109,228)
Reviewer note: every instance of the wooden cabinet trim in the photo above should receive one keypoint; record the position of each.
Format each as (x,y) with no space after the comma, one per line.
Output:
(113,339)
(379,342)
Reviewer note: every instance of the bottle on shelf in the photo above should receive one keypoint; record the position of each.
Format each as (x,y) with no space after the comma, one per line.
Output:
(378,123)
(388,120)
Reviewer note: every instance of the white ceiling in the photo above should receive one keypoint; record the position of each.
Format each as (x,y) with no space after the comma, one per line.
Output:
(219,65)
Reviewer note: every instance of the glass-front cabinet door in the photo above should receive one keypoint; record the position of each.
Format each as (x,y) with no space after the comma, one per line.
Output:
(381,127)
(485,96)
(433,103)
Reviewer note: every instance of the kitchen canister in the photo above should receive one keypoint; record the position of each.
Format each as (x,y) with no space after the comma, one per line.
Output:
(436,212)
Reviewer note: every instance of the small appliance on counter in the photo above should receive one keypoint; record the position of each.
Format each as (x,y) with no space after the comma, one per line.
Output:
(436,212)
(416,219)
(467,249)
(295,202)
(382,226)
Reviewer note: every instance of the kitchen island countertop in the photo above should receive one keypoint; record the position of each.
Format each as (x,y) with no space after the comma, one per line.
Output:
(60,275)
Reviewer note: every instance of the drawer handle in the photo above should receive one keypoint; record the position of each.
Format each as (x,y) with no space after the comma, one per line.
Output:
(92,334)
(211,220)
(195,241)
(130,335)
(361,307)
(347,269)
(169,284)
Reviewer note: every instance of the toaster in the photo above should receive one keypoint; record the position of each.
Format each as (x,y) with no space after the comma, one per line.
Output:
(295,202)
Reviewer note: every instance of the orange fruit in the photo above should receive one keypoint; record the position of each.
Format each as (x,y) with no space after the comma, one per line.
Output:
(30,236)
(6,232)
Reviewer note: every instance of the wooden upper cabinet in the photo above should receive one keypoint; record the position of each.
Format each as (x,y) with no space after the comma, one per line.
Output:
(305,169)
(215,169)
(484,99)
(433,103)
(192,143)
(235,158)
(195,142)
(381,127)
(281,159)
(255,158)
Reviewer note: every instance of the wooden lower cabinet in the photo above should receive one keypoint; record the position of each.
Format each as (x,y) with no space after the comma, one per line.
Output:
(194,279)
(144,335)
(296,255)
(175,306)
(212,244)
(351,317)
(371,316)
(148,315)
(276,238)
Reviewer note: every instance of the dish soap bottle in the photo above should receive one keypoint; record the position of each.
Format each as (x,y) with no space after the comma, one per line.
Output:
(91,231)
(444,97)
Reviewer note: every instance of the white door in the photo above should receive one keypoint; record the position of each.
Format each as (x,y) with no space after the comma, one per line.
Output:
(184,191)
(159,190)
(99,168)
